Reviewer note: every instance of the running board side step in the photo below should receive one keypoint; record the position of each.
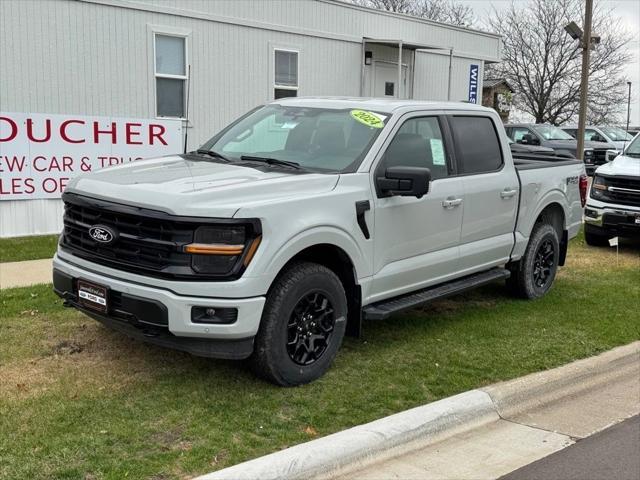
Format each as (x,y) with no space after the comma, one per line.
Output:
(385,308)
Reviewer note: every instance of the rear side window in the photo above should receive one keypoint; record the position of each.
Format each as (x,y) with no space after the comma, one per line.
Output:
(477,144)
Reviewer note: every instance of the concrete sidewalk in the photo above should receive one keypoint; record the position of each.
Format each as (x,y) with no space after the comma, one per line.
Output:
(24,274)
(516,440)
(483,433)
(524,433)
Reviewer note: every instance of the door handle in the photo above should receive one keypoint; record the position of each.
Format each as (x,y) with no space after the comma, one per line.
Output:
(451,202)
(506,193)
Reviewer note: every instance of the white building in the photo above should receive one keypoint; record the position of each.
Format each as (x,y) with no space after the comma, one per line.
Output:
(73,70)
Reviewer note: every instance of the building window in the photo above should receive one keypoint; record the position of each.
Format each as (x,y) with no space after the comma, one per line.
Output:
(388,89)
(171,75)
(286,74)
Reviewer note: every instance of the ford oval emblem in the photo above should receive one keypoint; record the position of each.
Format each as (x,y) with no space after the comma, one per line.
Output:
(102,234)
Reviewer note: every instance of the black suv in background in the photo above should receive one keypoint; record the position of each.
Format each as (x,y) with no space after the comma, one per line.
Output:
(595,153)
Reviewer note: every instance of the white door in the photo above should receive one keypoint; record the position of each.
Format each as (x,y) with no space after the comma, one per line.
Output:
(491,193)
(416,239)
(385,80)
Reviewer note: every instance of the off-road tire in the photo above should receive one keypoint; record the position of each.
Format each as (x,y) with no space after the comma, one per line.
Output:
(595,236)
(522,282)
(270,359)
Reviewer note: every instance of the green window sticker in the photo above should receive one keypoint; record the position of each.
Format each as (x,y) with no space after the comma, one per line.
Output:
(369,119)
(437,152)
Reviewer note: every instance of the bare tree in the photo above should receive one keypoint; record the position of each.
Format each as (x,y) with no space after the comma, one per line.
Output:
(445,11)
(543,63)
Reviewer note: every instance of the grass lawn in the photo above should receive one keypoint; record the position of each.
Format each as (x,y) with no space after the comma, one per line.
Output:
(27,248)
(80,402)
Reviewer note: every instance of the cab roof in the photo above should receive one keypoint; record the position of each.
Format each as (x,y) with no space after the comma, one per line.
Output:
(386,105)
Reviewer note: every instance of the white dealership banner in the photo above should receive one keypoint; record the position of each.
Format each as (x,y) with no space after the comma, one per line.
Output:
(40,152)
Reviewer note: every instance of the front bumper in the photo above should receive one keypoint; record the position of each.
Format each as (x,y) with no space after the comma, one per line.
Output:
(616,220)
(163,317)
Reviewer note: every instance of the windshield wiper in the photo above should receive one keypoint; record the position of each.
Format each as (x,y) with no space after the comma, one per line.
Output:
(271,161)
(213,154)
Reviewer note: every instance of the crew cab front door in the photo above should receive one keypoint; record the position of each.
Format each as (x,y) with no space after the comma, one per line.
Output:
(416,239)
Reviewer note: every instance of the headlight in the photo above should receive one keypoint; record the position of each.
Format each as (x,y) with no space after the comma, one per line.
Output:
(223,249)
(588,156)
(611,154)
(598,187)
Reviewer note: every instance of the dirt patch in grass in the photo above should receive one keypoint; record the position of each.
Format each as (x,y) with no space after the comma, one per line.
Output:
(92,359)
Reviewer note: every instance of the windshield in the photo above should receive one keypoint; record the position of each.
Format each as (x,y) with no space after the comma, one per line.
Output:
(633,149)
(549,132)
(616,134)
(317,139)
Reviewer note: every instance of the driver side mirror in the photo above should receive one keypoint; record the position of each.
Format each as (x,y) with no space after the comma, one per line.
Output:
(404,181)
(597,138)
(529,139)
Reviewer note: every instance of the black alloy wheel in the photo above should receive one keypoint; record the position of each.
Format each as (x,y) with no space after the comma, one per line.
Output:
(544,263)
(309,328)
(303,323)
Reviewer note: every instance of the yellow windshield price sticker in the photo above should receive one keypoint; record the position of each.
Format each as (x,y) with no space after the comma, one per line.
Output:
(370,119)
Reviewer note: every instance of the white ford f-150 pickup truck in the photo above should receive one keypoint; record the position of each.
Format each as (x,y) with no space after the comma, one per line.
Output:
(307,216)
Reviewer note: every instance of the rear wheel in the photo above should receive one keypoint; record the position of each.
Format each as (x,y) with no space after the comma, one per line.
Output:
(302,325)
(595,236)
(533,275)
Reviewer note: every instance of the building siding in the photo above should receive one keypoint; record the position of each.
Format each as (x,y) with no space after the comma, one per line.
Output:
(95,57)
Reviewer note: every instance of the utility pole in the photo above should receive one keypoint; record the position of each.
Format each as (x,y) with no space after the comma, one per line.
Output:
(628,106)
(584,81)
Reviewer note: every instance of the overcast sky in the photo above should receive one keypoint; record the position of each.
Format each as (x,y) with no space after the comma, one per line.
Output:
(628,12)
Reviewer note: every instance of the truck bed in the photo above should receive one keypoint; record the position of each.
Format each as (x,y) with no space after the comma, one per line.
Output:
(529,161)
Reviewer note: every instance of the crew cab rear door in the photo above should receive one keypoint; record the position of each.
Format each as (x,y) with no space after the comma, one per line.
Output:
(491,190)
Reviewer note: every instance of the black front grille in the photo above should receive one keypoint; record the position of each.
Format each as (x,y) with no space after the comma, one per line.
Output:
(149,242)
(600,156)
(624,190)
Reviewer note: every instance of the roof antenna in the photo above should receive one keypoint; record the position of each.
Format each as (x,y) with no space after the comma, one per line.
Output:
(186,127)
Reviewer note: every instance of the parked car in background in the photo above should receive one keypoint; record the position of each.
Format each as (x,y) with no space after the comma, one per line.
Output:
(613,135)
(613,206)
(306,216)
(519,148)
(595,153)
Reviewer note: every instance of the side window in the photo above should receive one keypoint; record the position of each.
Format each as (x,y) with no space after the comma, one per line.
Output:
(477,144)
(588,133)
(519,133)
(571,132)
(418,143)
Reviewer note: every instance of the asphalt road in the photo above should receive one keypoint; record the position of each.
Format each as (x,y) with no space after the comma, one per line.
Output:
(612,454)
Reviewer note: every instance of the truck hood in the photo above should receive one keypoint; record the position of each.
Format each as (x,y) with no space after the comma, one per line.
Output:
(621,165)
(181,186)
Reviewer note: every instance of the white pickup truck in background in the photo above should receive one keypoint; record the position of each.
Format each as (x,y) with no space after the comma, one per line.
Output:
(306,216)
(613,206)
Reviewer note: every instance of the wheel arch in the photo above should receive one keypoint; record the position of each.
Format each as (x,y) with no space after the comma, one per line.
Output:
(553,214)
(338,260)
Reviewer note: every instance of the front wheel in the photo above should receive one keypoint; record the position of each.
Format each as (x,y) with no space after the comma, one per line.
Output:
(302,325)
(533,275)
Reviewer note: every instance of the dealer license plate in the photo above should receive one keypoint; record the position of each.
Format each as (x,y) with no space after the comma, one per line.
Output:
(93,296)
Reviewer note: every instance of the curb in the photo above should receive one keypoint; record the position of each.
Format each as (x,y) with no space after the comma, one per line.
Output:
(328,454)
(393,435)
(525,393)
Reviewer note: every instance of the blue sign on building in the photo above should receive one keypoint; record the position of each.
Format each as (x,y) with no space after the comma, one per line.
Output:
(473,84)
